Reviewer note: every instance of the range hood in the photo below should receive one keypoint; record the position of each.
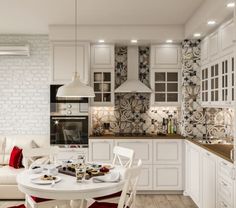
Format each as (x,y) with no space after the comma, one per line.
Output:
(133,84)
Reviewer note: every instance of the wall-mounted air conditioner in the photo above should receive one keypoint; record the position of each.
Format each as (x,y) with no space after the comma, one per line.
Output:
(14,50)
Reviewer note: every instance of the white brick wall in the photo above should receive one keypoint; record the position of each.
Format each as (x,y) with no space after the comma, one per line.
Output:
(24,87)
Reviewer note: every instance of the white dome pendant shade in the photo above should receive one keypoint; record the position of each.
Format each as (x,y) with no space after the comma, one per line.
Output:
(75,89)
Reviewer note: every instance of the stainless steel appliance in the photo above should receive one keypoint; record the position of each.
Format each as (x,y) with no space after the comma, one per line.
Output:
(68,121)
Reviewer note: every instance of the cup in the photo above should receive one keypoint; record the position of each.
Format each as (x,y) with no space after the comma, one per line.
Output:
(80,172)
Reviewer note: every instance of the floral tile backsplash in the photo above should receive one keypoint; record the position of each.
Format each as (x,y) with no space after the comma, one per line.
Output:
(132,114)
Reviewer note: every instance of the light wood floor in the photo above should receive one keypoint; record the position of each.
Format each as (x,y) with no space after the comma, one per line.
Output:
(143,201)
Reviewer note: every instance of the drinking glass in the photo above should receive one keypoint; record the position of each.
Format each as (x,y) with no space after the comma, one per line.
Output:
(80,172)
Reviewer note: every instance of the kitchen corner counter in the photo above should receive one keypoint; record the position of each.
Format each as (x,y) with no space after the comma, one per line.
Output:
(175,136)
(221,150)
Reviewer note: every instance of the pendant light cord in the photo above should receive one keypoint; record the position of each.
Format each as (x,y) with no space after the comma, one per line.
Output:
(76,38)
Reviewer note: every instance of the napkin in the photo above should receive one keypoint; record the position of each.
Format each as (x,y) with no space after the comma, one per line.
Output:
(112,177)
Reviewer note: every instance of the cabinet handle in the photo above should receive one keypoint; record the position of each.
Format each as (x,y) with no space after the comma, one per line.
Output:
(232,154)
(224,163)
(224,184)
(225,205)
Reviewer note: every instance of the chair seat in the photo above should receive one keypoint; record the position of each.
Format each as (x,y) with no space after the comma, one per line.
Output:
(18,206)
(38,200)
(118,194)
(103,205)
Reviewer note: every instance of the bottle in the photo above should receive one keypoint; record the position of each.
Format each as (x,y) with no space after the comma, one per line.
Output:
(169,126)
(175,127)
(163,126)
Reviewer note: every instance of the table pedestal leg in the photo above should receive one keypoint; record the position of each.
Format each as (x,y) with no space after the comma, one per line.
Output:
(79,203)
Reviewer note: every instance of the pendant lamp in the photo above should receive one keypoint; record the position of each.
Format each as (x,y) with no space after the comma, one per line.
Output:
(76,88)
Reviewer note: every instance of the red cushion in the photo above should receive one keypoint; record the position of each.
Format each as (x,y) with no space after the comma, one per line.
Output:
(18,206)
(103,205)
(16,158)
(109,196)
(38,200)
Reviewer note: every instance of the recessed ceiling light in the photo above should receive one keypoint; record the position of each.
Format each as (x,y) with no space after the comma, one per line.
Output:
(231,4)
(169,41)
(134,41)
(101,41)
(211,22)
(197,35)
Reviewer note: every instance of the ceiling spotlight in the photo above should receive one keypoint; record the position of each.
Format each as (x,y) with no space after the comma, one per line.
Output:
(169,41)
(197,35)
(211,22)
(101,41)
(134,41)
(231,4)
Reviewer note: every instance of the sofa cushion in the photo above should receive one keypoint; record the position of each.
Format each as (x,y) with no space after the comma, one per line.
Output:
(16,158)
(24,142)
(8,175)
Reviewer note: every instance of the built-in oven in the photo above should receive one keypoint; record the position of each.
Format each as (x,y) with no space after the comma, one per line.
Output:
(68,120)
(69,130)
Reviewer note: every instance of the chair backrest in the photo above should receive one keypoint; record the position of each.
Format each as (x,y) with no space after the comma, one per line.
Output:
(128,195)
(30,155)
(123,156)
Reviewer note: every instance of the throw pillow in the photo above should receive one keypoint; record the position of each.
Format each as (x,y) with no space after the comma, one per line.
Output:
(16,158)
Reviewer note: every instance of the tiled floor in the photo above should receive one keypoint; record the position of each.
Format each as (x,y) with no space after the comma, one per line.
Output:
(150,201)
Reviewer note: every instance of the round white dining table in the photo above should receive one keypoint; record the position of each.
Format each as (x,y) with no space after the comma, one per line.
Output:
(68,188)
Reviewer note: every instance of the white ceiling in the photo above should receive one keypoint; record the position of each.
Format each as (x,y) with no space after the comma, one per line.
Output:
(34,16)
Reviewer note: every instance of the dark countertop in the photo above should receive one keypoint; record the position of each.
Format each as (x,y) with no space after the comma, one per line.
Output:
(221,150)
(171,136)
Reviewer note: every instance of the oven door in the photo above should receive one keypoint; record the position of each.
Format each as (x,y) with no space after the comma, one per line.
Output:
(69,130)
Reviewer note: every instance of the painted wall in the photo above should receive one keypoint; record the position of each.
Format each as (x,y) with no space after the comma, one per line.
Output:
(24,87)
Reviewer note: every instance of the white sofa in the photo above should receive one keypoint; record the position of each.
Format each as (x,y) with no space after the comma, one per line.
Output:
(8,185)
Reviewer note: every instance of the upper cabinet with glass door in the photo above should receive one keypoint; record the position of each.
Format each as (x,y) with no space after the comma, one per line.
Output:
(165,75)
(102,64)
(218,70)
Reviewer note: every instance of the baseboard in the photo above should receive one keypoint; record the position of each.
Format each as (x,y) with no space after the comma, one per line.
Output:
(160,192)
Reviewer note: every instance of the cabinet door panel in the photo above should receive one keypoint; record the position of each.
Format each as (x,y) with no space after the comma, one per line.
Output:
(141,147)
(101,150)
(167,177)
(227,33)
(209,181)
(165,56)
(145,180)
(167,152)
(63,62)
(102,56)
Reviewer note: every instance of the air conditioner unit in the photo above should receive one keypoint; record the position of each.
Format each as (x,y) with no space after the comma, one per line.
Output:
(14,50)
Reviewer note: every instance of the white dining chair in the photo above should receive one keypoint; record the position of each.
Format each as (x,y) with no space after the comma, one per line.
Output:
(122,157)
(128,195)
(49,155)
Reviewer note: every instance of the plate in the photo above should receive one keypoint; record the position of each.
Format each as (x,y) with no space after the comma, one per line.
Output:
(39,181)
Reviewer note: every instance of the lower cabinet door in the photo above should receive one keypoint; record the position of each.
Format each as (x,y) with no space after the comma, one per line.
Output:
(168,177)
(101,150)
(145,180)
(209,181)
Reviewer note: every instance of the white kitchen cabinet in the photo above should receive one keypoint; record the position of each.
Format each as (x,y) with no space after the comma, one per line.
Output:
(226,32)
(165,56)
(145,182)
(208,180)
(63,61)
(103,85)
(171,146)
(214,45)
(166,84)
(102,56)
(205,51)
(101,150)
(168,177)
(141,147)
(193,171)
(205,85)
(225,184)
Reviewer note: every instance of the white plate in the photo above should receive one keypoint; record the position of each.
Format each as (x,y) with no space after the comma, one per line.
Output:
(45,182)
